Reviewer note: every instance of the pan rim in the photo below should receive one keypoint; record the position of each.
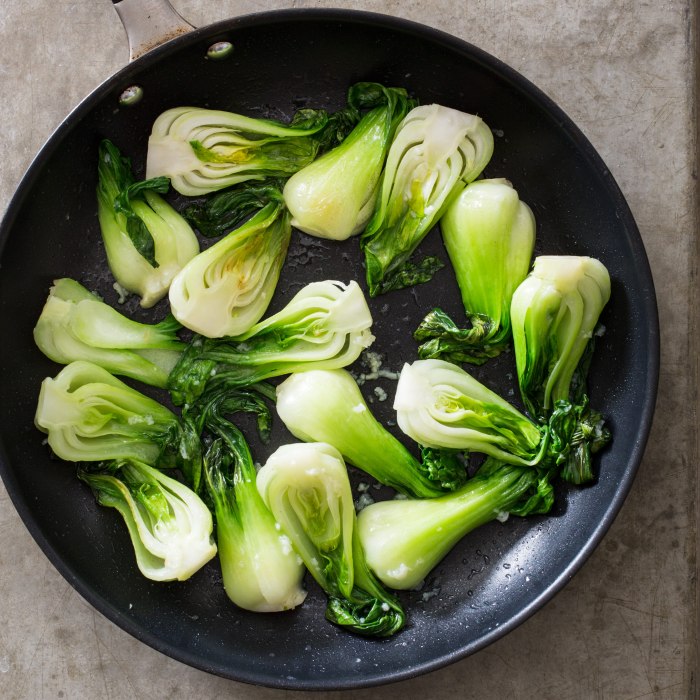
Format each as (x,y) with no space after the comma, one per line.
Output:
(647,306)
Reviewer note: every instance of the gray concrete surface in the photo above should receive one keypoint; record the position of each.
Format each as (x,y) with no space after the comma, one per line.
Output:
(626,626)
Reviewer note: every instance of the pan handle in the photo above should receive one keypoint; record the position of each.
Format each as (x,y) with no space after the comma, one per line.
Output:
(149,23)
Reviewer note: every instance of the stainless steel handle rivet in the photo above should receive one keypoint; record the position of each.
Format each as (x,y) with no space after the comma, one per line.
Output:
(220,50)
(131,96)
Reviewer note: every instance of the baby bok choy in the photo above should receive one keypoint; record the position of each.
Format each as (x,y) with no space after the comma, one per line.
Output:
(489,235)
(147,242)
(226,289)
(333,197)
(204,150)
(327,406)
(75,324)
(438,404)
(91,416)
(404,540)
(555,314)
(436,151)
(169,525)
(306,487)
(325,325)
(260,569)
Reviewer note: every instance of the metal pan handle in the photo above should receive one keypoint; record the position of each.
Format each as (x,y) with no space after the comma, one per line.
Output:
(149,23)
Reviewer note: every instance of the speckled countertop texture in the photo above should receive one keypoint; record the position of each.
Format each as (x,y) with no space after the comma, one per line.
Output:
(626,625)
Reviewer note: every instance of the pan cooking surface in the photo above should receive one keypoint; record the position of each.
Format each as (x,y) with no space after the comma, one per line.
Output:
(498,575)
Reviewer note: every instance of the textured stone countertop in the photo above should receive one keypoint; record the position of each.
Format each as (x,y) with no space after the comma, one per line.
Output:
(626,625)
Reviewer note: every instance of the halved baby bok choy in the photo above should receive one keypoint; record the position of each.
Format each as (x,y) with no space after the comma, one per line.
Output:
(325,325)
(555,314)
(438,404)
(333,197)
(306,487)
(436,151)
(327,406)
(260,569)
(91,416)
(489,234)
(405,539)
(204,150)
(169,525)
(76,324)
(146,240)
(226,289)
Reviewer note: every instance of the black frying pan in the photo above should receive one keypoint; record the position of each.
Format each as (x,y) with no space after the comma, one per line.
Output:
(497,576)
